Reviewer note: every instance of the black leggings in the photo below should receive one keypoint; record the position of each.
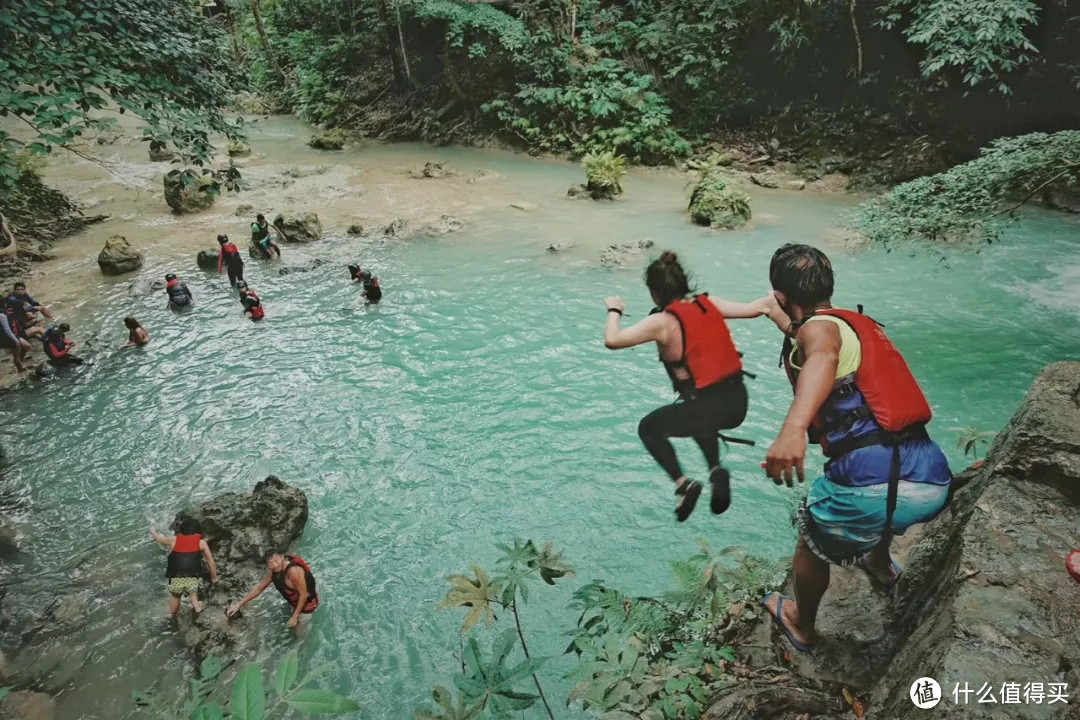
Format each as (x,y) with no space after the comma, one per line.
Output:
(718,407)
(236,272)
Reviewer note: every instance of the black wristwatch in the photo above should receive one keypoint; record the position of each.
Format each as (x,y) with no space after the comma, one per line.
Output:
(615,310)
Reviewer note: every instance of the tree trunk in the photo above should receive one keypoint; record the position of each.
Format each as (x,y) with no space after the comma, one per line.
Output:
(8,247)
(237,50)
(384,16)
(270,57)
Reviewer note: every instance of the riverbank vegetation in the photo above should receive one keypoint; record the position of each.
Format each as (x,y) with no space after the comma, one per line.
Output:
(635,657)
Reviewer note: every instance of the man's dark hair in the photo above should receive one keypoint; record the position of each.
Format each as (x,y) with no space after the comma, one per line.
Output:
(803,274)
(64,327)
(20,285)
(260,217)
(188,526)
(271,553)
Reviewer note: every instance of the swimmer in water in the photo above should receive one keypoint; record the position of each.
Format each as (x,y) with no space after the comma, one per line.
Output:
(372,290)
(249,299)
(137,335)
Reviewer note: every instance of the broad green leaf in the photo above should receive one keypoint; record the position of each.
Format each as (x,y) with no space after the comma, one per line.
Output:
(248,697)
(285,676)
(208,711)
(210,668)
(321,702)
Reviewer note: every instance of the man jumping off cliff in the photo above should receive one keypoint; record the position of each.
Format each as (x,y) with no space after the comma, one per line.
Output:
(856,397)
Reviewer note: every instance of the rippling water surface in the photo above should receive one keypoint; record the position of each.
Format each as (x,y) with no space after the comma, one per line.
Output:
(475,403)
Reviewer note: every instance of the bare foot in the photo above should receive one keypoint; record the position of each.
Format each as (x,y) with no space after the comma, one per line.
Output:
(196,606)
(788,617)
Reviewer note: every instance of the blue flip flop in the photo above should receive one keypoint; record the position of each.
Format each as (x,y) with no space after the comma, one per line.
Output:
(884,588)
(777,617)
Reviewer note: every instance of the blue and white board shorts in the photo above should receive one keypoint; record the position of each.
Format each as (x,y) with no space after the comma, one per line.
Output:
(844,514)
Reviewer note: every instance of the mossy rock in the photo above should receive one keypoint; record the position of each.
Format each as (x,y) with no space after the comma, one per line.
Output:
(239,149)
(161,152)
(333,139)
(717,203)
(188,192)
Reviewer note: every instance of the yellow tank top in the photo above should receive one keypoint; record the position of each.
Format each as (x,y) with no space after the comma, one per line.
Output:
(850,348)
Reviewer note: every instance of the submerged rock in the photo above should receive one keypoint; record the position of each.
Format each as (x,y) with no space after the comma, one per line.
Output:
(795,184)
(718,203)
(524,206)
(443,226)
(243,210)
(306,267)
(333,139)
(239,149)
(207,259)
(560,246)
(299,229)
(355,229)
(765,181)
(396,228)
(118,257)
(624,254)
(240,529)
(430,170)
(161,152)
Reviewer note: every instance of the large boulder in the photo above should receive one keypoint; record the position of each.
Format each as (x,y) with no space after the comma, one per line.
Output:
(299,228)
(118,257)
(207,259)
(429,170)
(334,139)
(306,267)
(241,528)
(187,191)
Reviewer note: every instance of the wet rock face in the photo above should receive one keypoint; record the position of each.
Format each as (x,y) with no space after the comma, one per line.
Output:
(328,140)
(241,530)
(992,601)
(430,170)
(118,257)
(306,267)
(25,705)
(624,254)
(299,228)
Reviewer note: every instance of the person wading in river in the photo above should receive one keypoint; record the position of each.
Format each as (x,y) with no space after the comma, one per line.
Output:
(293,579)
(260,236)
(187,552)
(855,395)
(705,368)
(229,258)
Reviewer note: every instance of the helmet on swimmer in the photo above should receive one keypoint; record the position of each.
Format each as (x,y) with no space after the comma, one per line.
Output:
(223,238)
(170,276)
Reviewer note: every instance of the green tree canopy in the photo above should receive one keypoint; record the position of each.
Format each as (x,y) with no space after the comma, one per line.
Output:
(65,65)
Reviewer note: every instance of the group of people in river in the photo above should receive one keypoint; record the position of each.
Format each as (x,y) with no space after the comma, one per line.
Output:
(21,321)
(854,395)
(190,560)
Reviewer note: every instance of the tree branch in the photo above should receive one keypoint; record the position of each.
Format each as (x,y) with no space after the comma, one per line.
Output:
(525,649)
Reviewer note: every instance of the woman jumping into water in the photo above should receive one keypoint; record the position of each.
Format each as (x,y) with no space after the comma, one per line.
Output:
(705,368)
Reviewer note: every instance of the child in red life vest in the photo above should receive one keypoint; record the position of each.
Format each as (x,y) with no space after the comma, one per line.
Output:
(184,569)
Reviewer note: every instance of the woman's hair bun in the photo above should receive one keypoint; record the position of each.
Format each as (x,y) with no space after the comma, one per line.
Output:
(668,257)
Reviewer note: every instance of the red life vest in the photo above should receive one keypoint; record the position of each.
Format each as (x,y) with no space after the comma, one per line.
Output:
(230,249)
(884,379)
(185,560)
(172,283)
(291,595)
(257,312)
(709,354)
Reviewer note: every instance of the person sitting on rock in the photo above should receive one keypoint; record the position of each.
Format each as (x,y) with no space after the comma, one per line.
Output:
(260,237)
(26,325)
(137,336)
(11,338)
(180,296)
(293,579)
(58,347)
(184,568)
(32,306)
(249,299)
(855,395)
(229,258)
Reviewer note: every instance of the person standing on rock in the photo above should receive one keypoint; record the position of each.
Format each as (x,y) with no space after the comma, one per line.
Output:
(293,579)
(229,258)
(855,395)
(187,552)
(260,236)
(700,357)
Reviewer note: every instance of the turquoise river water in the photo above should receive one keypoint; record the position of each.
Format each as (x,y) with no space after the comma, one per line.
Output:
(476,403)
